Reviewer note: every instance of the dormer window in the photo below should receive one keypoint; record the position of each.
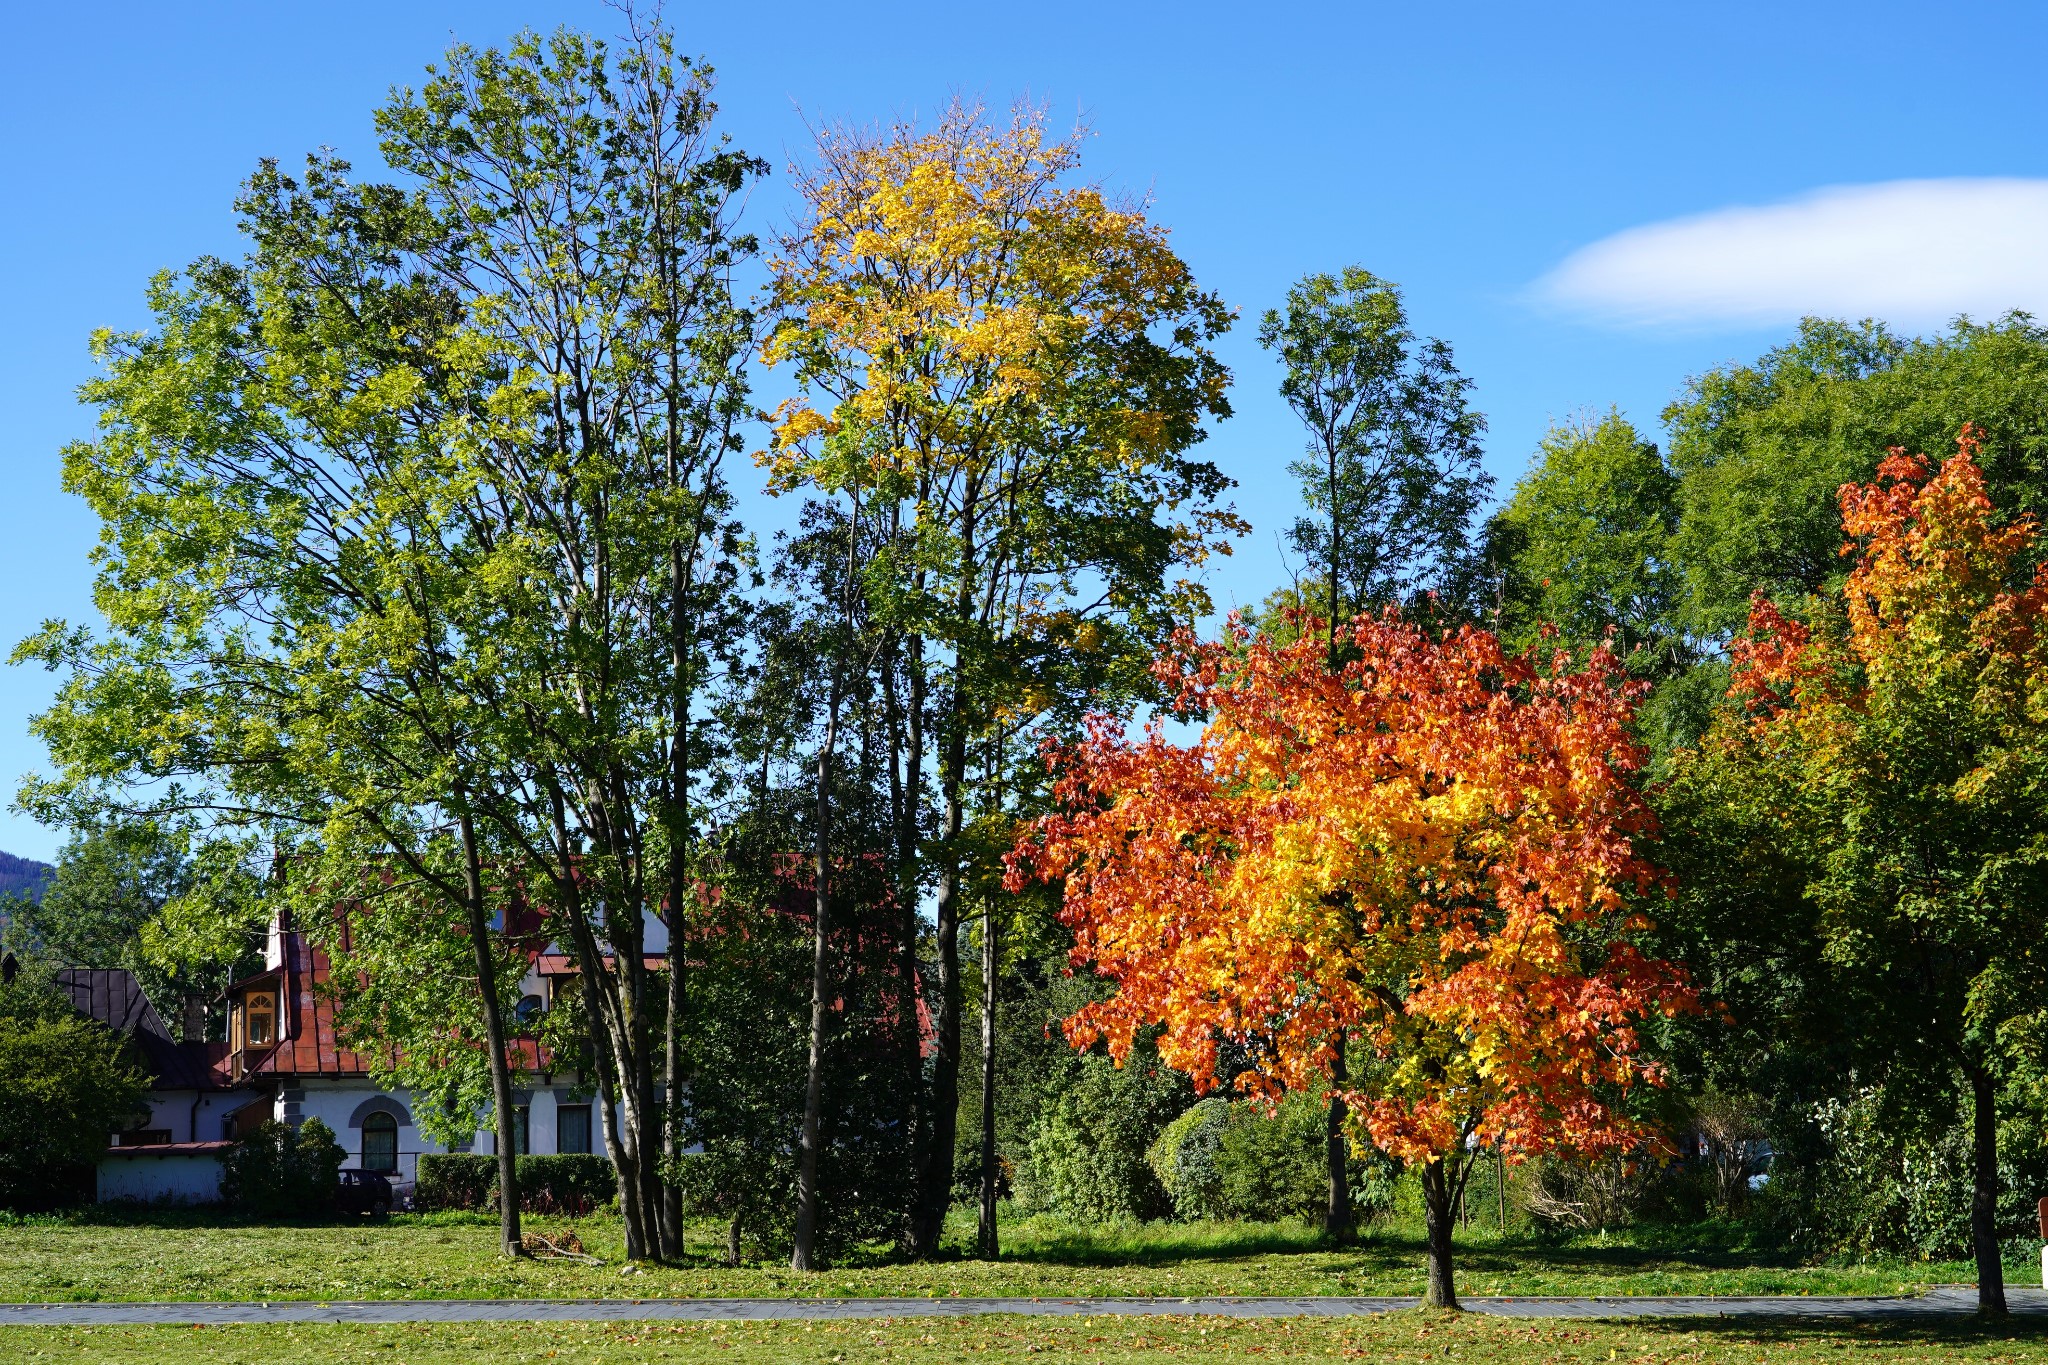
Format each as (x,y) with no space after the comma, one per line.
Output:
(262,1017)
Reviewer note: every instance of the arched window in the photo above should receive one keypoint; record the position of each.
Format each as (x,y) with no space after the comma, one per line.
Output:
(528,1009)
(380,1142)
(262,1018)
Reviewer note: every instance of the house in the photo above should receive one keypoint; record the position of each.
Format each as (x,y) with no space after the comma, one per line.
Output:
(280,1060)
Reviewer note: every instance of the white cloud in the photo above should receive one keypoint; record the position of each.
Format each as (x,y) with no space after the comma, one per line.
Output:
(1912,252)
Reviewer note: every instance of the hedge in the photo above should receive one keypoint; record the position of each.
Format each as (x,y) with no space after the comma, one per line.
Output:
(567,1183)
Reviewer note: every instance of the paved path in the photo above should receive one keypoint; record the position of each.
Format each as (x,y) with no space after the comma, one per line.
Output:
(1945,1302)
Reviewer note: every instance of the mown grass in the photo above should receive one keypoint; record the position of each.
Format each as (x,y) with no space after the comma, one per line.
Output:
(1403,1337)
(189,1256)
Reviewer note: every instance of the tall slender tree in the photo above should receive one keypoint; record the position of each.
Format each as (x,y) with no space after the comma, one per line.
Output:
(1013,369)
(590,206)
(1393,467)
(1393,461)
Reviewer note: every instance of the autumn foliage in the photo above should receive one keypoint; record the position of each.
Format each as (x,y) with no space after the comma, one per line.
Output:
(1431,850)
(1894,735)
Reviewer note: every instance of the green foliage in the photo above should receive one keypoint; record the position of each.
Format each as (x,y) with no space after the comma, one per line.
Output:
(560,1183)
(1087,1148)
(106,906)
(1592,522)
(66,1085)
(456,1180)
(1183,1156)
(1878,1182)
(747,1027)
(1393,469)
(1761,449)
(1238,1160)
(276,1171)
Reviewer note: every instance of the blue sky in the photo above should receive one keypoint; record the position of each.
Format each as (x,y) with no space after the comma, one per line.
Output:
(1585,200)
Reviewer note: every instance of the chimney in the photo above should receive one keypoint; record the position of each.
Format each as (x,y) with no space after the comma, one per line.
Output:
(195,1019)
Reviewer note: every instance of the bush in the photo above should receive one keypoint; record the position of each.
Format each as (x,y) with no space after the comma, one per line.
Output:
(1877,1185)
(1238,1160)
(1087,1147)
(280,1172)
(572,1183)
(65,1084)
(454,1180)
(1184,1159)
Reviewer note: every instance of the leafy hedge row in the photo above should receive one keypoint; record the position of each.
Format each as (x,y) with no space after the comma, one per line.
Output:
(569,1183)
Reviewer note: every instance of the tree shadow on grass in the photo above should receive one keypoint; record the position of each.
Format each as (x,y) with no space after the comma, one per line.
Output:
(1381,1248)
(1954,1332)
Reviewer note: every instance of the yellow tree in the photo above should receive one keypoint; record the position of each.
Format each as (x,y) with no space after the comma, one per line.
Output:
(1009,370)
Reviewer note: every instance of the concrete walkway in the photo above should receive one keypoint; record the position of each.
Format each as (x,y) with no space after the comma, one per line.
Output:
(1947,1302)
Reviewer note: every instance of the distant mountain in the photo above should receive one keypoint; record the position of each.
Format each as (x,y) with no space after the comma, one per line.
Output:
(23,876)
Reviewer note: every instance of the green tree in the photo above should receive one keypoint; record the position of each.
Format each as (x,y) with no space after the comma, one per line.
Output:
(1897,732)
(109,883)
(592,210)
(1592,522)
(292,601)
(66,1086)
(1393,463)
(1761,448)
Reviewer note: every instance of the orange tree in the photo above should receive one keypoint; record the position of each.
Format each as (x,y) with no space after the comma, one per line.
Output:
(1895,737)
(1428,851)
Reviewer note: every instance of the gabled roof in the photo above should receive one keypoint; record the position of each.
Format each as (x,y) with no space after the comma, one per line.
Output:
(307,1045)
(113,996)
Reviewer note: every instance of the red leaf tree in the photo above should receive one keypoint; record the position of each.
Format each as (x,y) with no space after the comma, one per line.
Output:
(1409,882)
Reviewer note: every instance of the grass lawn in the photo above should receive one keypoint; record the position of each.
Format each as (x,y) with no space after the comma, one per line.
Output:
(1403,1337)
(170,1256)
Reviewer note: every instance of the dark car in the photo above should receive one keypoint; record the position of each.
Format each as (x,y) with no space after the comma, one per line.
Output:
(365,1192)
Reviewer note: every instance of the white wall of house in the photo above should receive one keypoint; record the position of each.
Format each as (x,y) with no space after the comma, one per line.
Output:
(160,1178)
(194,1115)
(343,1105)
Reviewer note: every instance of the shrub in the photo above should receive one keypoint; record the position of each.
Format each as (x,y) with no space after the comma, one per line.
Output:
(1239,1160)
(281,1172)
(1088,1145)
(1184,1159)
(572,1183)
(454,1180)
(1880,1182)
(65,1084)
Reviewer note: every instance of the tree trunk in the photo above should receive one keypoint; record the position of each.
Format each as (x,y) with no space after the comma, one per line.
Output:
(803,1255)
(989,963)
(506,1120)
(916,1121)
(1438,1208)
(1337,1216)
(1984,1194)
(945,1111)
(672,1082)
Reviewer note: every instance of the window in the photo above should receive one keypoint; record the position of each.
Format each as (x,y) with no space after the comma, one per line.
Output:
(528,1009)
(262,1012)
(521,1144)
(380,1143)
(572,1128)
